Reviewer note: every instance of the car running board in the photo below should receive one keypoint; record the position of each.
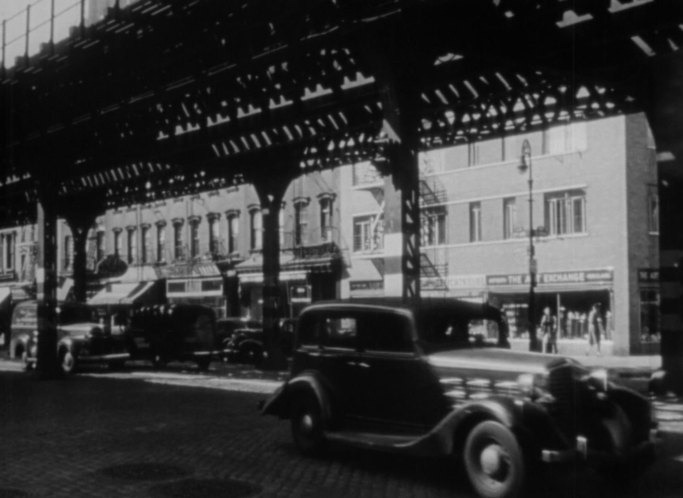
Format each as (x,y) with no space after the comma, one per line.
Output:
(398,443)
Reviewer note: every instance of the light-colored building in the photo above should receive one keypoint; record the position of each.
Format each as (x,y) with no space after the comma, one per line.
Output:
(595,220)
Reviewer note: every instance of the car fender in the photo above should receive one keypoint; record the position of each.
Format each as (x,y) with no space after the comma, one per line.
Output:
(250,343)
(306,382)
(530,423)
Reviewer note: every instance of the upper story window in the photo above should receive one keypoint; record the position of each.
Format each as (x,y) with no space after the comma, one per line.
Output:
(281,226)
(569,137)
(509,217)
(145,240)
(368,233)
(132,245)
(432,226)
(653,211)
(161,241)
(326,216)
(565,212)
(68,252)
(194,236)
(118,243)
(300,221)
(214,220)
(100,245)
(233,230)
(256,228)
(178,239)
(473,153)
(475,221)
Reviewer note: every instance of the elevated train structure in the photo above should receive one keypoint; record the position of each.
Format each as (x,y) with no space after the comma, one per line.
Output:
(173,97)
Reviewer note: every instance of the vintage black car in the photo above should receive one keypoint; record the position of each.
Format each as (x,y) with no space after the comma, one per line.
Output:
(437,378)
(247,344)
(226,327)
(80,338)
(165,332)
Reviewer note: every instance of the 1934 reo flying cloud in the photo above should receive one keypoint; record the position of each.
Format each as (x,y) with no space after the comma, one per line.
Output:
(437,378)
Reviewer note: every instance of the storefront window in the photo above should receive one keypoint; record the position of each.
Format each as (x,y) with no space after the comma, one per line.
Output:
(653,211)
(475,221)
(649,315)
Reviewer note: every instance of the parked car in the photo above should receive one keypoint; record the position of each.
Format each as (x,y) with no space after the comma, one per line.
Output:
(437,378)
(80,338)
(247,345)
(162,333)
(225,327)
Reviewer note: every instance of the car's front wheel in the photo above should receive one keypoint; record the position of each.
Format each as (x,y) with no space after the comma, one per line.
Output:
(307,425)
(494,461)
(67,361)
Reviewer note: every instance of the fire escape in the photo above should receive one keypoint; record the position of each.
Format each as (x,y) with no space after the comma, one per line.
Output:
(433,261)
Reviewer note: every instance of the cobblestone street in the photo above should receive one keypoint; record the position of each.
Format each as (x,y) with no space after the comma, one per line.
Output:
(176,434)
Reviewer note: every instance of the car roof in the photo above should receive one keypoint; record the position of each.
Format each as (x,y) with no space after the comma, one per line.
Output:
(428,304)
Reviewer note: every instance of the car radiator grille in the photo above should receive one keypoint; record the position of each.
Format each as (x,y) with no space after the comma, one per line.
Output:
(564,387)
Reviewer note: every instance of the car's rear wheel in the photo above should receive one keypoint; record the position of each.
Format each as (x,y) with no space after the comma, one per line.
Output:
(494,461)
(307,425)
(67,361)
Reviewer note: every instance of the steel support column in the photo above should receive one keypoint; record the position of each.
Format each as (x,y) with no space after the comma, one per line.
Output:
(80,226)
(47,365)
(399,69)
(271,187)
(662,100)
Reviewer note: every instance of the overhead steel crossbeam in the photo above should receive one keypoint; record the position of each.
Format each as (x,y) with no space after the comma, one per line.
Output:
(171,97)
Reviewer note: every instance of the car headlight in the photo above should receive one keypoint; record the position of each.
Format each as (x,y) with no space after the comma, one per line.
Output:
(534,386)
(598,379)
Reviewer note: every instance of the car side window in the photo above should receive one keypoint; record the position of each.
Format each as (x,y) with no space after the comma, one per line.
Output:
(386,332)
(339,332)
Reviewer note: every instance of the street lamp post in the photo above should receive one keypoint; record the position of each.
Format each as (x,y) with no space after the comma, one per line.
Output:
(524,166)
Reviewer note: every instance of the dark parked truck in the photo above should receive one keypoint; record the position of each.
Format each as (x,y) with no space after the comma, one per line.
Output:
(166,332)
(80,338)
(437,378)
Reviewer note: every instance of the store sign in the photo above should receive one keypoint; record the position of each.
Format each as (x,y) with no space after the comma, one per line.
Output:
(648,276)
(300,293)
(476,281)
(553,278)
(366,285)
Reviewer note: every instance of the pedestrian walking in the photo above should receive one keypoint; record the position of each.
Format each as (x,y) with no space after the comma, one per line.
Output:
(595,328)
(549,330)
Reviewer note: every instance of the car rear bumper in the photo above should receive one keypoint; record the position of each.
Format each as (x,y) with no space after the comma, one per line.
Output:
(645,451)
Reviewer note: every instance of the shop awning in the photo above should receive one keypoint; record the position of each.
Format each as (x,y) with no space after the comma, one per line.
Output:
(255,264)
(194,269)
(364,270)
(120,293)
(136,274)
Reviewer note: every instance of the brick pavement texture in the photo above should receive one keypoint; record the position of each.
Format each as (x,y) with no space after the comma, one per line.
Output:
(65,439)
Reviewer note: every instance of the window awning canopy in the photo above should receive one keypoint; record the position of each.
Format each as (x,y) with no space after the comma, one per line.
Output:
(121,293)
(364,270)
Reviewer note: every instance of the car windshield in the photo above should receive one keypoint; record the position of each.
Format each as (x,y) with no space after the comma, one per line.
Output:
(443,329)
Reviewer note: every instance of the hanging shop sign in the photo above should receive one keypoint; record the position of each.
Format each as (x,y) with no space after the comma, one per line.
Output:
(554,278)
